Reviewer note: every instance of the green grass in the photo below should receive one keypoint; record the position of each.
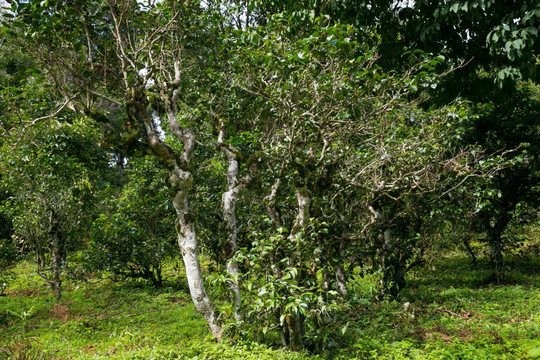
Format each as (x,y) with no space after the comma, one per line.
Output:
(453,311)
(106,320)
(449,311)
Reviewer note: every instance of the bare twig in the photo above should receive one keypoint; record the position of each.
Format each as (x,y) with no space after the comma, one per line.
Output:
(46,117)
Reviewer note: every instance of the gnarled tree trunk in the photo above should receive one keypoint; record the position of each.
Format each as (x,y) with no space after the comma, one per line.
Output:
(229,199)
(187,240)
(341,279)
(294,321)
(54,247)
(181,179)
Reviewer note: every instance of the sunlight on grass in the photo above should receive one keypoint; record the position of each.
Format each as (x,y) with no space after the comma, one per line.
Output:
(107,320)
(448,311)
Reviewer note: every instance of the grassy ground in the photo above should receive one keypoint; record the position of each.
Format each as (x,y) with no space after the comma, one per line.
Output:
(106,320)
(450,311)
(453,311)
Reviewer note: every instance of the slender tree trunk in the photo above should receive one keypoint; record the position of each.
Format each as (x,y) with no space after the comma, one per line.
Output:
(391,258)
(56,282)
(295,326)
(393,274)
(229,199)
(56,269)
(387,234)
(302,217)
(495,252)
(283,335)
(295,321)
(384,259)
(341,279)
(467,244)
(339,273)
(495,247)
(325,279)
(494,238)
(229,207)
(270,205)
(229,215)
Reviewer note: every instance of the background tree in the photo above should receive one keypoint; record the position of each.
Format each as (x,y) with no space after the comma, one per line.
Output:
(500,41)
(510,122)
(50,174)
(134,233)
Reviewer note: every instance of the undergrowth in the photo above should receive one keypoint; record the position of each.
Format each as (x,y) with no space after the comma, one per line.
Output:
(450,310)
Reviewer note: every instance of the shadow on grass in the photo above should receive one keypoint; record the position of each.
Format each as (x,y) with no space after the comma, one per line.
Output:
(459,272)
(453,310)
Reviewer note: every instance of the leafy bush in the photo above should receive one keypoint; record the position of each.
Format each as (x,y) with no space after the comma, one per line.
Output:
(135,232)
(279,290)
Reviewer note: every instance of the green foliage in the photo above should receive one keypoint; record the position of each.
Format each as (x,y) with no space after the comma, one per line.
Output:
(283,279)
(499,37)
(510,197)
(8,254)
(50,172)
(106,320)
(135,232)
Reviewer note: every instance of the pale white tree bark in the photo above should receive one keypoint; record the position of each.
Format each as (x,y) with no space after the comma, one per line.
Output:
(54,247)
(295,323)
(341,279)
(302,216)
(187,240)
(181,180)
(229,200)
(270,203)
